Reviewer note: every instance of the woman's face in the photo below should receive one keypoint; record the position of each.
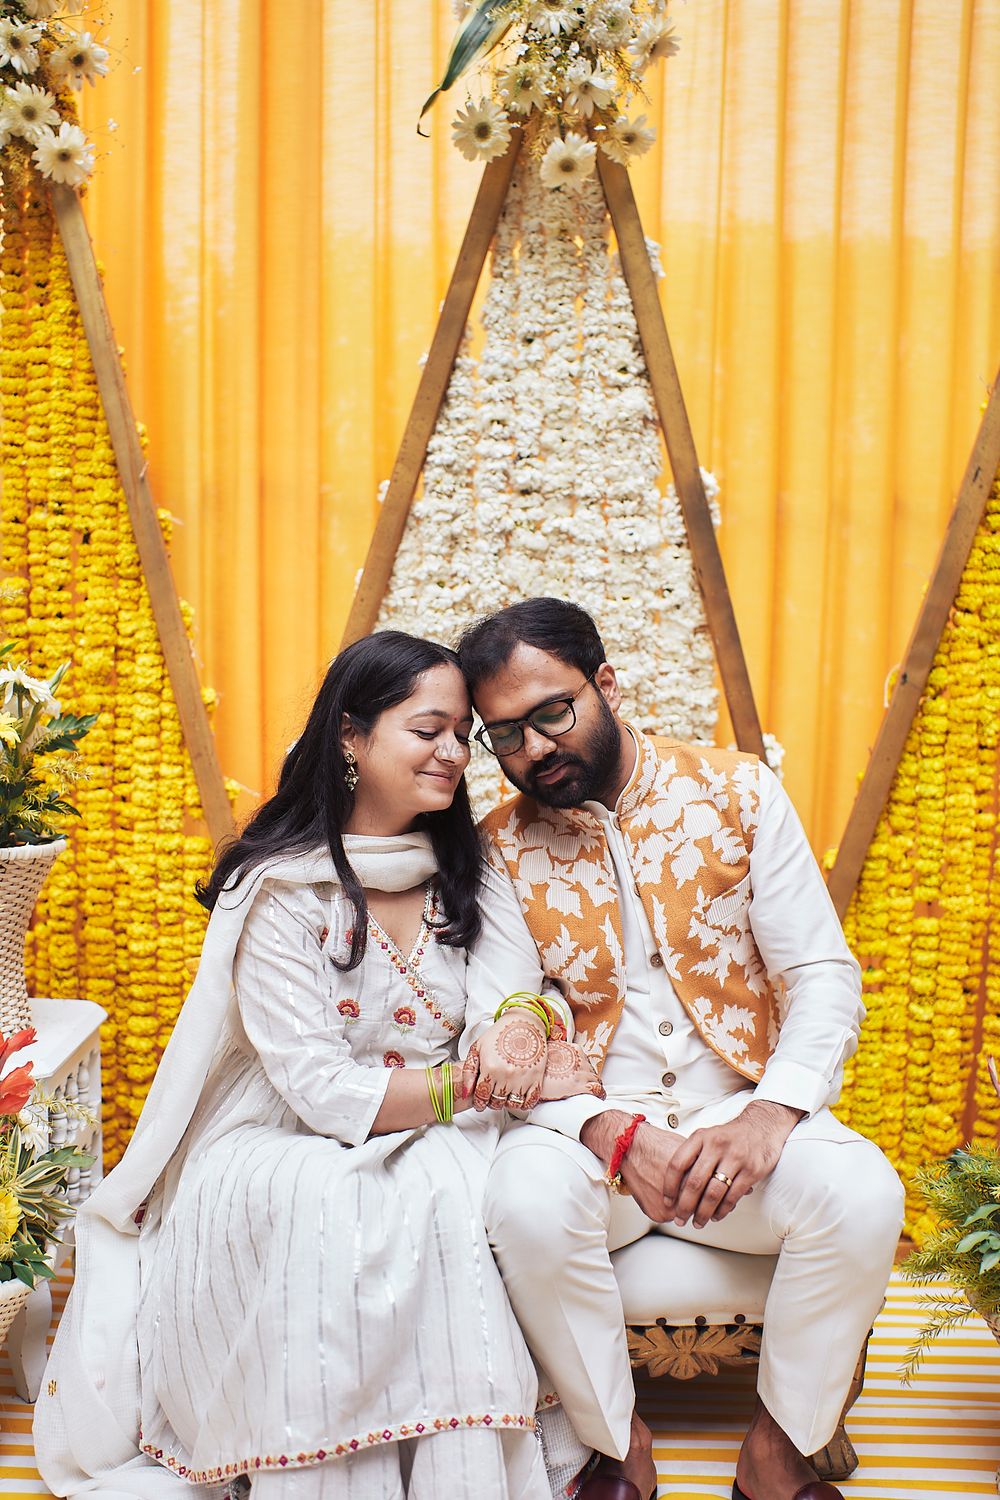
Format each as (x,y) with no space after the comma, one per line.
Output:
(412,760)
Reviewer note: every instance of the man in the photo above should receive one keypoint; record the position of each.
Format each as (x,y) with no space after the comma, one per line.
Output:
(668,893)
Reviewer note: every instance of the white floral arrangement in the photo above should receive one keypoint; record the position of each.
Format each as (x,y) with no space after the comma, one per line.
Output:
(42,61)
(542,474)
(566,71)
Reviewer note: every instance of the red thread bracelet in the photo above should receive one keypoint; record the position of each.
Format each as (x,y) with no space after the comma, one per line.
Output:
(613,1176)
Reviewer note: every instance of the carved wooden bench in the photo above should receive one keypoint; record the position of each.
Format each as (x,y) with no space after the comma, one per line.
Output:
(693,1310)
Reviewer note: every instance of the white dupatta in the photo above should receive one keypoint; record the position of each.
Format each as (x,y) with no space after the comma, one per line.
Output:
(87,1416)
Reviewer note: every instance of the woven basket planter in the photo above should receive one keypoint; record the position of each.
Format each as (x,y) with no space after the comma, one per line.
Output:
(13,1295)
(22,874)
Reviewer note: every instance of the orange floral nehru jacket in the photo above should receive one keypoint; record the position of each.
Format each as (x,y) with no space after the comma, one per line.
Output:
(688,815)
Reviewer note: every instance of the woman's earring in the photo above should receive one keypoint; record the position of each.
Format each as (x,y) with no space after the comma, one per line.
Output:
(351,774)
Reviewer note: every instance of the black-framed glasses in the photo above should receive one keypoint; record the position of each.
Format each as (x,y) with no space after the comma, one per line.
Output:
(506,737)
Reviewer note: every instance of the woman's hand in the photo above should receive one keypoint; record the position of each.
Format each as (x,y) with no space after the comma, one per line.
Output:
(504,1068)
(569,1071)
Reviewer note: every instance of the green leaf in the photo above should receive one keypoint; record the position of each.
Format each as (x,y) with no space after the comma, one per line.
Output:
(970,1241)
(984,1211)
(478,34)
(23,1274)
(990,1259)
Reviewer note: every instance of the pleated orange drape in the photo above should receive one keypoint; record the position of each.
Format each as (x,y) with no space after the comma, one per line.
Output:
(277,239)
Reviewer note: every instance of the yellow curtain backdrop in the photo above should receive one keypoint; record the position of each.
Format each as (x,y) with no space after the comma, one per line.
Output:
(277,238)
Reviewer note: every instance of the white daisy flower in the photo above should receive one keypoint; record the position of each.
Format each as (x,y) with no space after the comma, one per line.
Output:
(481,131)
(34,1124)
(28,110)
(41,10)
(522,88)
(655,39)
(65,155)
(567,162)
(625,139)
(554,17)
(79,59)
(611,24)
(17,46)
(588,90)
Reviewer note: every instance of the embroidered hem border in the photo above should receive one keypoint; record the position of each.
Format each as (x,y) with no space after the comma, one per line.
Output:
(341,1450)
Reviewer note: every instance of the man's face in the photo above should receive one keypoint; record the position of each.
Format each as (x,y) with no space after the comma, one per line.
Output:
(579,765)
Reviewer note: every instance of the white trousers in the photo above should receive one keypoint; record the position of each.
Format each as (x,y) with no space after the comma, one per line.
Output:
(831,1211)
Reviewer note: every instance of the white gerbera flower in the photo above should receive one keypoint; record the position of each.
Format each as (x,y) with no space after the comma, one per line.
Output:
(655,39)
(627,138)
(17,46)
(522,88)
(588,90)
(65,155)
(482,131)
(554,17)
(15,682)
(79,59)
(611,24)
(567,162)
(28,110)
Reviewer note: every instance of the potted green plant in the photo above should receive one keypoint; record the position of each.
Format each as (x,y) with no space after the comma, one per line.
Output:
(39,762)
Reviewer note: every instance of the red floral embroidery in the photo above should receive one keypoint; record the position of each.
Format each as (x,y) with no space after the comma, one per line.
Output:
(349,1009)
(324,933)
(405,1017)
(393,1059)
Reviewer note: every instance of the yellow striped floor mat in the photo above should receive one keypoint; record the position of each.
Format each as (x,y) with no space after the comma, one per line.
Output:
(938,1439)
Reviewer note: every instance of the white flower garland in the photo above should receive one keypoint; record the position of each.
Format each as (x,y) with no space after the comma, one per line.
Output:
(542,473)
(38,126)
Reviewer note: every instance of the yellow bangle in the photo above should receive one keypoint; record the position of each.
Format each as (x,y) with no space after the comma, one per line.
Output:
(524,1000)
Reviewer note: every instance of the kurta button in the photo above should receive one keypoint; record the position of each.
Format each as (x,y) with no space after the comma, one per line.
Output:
(656,961)
(669,1079)
(665,1028)
(673,1121)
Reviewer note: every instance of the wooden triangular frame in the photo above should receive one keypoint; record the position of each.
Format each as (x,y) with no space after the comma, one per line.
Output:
(132,467)
(918,659)
(669,405)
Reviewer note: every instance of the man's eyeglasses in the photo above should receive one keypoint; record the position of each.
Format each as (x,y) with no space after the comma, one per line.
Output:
(506,737)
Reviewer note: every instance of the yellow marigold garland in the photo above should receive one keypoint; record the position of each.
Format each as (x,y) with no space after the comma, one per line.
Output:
(116,922)
(924,919)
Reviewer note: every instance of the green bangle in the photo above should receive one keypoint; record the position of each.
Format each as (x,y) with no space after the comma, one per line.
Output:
(443,1103)
(526,1001)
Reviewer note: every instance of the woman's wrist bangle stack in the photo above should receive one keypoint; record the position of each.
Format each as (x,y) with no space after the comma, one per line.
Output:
(538,1005)
(613,1176)
(443,1100)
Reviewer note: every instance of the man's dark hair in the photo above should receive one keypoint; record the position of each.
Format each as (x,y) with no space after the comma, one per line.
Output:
(562,629)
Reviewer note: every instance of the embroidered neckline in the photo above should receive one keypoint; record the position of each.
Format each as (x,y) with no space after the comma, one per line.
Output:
(409,966)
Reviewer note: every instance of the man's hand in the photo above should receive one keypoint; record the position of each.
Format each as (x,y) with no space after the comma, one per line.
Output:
(506,1065)
(714,1168)
(644,1167)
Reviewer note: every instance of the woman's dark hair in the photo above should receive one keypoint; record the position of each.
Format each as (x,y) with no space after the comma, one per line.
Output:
(312,805)
(562,629)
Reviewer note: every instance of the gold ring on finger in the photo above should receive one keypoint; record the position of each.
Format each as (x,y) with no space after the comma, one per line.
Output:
(721,1177)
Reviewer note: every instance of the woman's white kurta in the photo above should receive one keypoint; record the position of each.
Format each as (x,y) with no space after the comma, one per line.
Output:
(305,1292)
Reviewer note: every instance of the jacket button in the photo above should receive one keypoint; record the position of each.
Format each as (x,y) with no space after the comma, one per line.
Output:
(665,1028)
(669,1079)
(656,961)
(673,1121)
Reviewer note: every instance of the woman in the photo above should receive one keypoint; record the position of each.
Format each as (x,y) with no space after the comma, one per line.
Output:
(314,1297)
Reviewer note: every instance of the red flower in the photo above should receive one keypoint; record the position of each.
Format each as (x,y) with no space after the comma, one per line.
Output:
(15,1089)
(393,1060)
(349,1009)
(405,1016)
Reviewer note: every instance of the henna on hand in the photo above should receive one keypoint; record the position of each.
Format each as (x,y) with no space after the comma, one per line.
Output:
(520,1044)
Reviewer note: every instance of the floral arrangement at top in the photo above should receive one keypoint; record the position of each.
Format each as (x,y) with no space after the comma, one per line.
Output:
(32,1177)
(42,60)
(565,70)
(33,729)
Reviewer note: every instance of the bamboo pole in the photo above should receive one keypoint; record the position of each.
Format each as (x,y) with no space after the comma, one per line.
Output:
(919,656)
(153,556)
(677,433)
(430,393)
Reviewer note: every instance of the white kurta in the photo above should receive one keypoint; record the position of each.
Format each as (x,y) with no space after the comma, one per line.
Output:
(307,1293)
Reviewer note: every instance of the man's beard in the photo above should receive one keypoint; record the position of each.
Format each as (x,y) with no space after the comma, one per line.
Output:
(589,773)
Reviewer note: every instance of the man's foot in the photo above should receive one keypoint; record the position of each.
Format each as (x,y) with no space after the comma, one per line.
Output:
(770,1467)
(631,1478)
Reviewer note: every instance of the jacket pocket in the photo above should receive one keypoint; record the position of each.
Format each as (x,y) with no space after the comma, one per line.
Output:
(729,908)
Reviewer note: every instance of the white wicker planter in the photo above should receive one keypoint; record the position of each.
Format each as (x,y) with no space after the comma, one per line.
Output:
(13,1295)
(22,874)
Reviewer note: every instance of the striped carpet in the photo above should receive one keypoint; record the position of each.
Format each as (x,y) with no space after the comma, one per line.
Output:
(937,1439)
